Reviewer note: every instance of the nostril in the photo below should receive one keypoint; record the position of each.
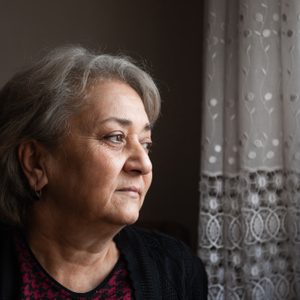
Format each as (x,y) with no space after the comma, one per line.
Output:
(139,164)
(138,167)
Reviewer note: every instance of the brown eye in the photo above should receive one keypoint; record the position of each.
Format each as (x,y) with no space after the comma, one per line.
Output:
(115,138)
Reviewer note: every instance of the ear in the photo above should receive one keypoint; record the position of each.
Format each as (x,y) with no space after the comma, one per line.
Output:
(31,155)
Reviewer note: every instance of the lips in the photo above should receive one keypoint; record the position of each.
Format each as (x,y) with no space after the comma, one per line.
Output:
(130,189)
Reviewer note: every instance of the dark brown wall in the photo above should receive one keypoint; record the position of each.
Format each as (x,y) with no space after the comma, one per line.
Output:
(167,35)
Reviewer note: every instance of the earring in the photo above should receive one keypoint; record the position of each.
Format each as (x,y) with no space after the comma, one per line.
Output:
(38,193)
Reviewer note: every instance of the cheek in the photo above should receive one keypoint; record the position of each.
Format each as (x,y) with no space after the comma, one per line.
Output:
(147,181)
(104,170)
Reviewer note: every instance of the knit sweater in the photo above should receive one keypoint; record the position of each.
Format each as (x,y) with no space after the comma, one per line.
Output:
(160,267)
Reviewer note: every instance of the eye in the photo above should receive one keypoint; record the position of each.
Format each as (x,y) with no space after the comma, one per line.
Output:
(147,146)
(116,138)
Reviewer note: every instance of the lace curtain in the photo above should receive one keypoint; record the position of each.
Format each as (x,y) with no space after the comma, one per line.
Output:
(249,224)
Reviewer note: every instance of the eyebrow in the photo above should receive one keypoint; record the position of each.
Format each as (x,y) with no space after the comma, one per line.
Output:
(125,123)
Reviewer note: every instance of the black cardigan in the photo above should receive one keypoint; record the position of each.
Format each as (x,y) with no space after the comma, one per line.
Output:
(160,267)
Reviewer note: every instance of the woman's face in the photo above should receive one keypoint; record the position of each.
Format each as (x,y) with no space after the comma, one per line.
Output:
(102,171)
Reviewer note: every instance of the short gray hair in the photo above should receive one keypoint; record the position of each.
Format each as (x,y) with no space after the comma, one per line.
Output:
(38,102)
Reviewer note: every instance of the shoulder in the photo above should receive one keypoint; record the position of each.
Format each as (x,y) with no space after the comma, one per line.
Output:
(7,242)
(9,274)
(158,241)
(6,233)
(172,259)
(7,248)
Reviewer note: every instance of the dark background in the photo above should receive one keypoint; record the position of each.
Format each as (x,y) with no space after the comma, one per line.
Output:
(164,34)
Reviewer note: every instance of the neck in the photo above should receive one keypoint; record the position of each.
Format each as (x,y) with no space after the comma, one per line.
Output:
(76,254)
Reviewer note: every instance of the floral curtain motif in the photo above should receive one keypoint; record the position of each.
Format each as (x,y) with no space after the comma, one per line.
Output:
(249,223)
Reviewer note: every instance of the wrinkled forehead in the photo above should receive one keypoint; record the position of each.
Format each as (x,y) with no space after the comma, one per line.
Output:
(112,101)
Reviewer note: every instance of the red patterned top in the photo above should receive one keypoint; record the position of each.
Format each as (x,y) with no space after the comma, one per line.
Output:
(36,283)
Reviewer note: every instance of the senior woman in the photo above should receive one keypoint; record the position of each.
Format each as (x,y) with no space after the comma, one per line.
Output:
(75,134)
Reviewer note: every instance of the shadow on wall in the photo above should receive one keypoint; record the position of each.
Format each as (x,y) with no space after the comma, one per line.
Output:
(166,35)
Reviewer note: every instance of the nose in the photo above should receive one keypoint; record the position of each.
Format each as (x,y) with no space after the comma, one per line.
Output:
(138,161)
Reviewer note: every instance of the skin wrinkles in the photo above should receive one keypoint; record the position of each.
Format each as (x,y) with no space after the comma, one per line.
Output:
(95,185)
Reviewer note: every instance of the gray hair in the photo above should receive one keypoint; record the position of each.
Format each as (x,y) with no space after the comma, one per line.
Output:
(38,102)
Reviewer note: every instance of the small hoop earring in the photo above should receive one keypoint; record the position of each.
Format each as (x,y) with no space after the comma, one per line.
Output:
(38,193)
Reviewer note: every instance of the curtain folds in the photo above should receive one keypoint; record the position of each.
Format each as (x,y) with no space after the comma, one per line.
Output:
(249,223)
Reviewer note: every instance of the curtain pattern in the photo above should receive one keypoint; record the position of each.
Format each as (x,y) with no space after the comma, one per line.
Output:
(249,223)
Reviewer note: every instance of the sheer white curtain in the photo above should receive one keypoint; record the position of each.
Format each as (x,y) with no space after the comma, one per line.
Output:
(249,225)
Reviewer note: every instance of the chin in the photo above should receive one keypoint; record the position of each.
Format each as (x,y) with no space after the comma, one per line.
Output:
(128,212)
(129,217)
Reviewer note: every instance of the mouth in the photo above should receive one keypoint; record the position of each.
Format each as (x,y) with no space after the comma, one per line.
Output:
(130,190)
